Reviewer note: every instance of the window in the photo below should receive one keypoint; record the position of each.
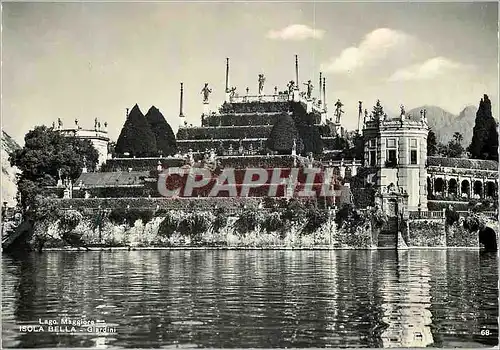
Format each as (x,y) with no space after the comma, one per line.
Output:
(391,158)
(391,143)
(373,158)
(413,156)
(371,143)
(413,151)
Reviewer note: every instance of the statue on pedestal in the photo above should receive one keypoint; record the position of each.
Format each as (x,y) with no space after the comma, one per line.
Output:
(240,149)
(291,87)
(275,90)
(424,115)
(402,110)
(248,90)
(262,79)
(232,92)
(206,91)
(59,122)
(338,111)
(309,88)
(76,123)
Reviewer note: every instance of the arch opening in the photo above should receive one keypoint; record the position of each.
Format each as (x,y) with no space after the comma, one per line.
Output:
(488,238)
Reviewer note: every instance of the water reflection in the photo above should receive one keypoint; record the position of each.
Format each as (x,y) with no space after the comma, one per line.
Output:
(255,298)
(406,302)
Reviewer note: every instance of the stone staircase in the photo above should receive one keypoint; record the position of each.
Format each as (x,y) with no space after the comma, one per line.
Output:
(388,236)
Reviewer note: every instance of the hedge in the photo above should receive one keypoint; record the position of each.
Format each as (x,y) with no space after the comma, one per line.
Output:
(255,107)
(240,120)
(140,164)
(232,132)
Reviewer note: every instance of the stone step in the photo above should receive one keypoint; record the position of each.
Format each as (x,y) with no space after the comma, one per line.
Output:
(387,240)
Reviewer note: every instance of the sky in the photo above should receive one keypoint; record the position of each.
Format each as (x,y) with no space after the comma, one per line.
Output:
(93,60)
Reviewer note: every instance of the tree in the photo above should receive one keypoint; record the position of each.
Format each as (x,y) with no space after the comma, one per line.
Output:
(484,144)
(311,138)
(45,152)
(454,148)
(432,146)
(458,137)
(282,135)
(136,136)
(358,147)
(378,110)
(164,136)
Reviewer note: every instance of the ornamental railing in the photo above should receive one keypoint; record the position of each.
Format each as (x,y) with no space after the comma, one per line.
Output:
(440,214)
(427,214)
(259,98)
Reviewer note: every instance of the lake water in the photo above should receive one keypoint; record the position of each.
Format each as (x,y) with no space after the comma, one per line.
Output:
(195,298)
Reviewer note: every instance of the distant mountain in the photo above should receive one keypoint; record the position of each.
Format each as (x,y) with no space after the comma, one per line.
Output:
(9,188)
(445,124)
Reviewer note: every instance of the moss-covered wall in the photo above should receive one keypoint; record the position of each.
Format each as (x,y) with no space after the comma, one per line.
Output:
(458,236)
(426,233)
(204,228)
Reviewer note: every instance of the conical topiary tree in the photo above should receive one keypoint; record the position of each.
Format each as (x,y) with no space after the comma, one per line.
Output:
(282,135)
(136,136)
(311,138)
(484,143)
(165,138)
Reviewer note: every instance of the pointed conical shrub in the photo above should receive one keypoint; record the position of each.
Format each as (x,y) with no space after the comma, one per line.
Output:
(164,135)
(136,136)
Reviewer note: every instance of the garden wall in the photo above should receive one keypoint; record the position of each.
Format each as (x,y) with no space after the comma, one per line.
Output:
(204,228)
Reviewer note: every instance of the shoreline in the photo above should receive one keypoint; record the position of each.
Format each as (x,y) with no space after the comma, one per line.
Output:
(322,248)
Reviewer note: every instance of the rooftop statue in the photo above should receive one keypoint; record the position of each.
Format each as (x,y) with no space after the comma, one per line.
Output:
(232,92)
(76,122)
(59,122)
(291,86)
(402,110)
(338,110)
(95,123)
(309,88)
(206,91)
(275,90)
(262,79)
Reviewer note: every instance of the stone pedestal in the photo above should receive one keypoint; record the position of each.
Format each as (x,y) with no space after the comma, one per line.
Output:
(206,108)
(309,106)
(323,117)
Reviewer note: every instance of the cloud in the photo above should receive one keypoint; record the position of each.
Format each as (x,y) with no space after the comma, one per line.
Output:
(296,32)
(375,46)
(429,69)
